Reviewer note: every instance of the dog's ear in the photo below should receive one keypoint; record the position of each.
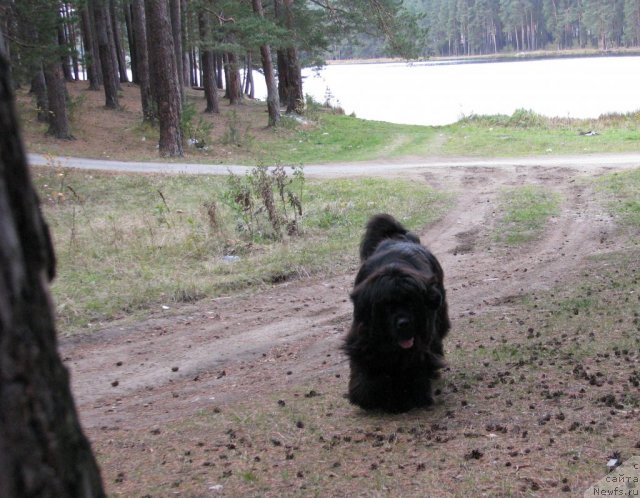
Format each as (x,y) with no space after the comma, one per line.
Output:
(361,299)
(433,297)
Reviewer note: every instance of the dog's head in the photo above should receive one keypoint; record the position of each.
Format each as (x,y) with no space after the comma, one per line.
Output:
(396,306)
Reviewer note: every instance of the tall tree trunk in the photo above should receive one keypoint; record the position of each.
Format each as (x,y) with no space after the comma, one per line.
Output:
(117,42)
(39,89)
(208,65)
(92,63)
(167,89)
(273,100)
(106,54)
(194,67)
(283,75)
(56,97)
(43,451)
(248,77)
(234,90)
(176,30)
(296,97)
(138,25)
(185,43)
(70,33)
(132,42)
(64,58)
(219,70)
(289,70)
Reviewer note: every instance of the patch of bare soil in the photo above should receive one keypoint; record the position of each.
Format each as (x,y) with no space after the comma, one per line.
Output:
(101,133)
(243,395)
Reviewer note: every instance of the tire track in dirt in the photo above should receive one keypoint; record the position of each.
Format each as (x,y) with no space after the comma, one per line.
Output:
(163,368)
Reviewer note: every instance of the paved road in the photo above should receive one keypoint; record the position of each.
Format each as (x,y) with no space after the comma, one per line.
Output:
(376,168)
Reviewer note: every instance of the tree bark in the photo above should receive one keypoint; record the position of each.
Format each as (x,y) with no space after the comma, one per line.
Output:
(208,66)
(117,43)
(106,58)
(176,30)
(39,89)
(273,100)
(164,72)
(92,60)
(138,22)
(219,70)
(185,43)
(248,77)
(234,90)
(43,451)
(295,102)
(289,70)
(56,97)
(64,58)
(132,42)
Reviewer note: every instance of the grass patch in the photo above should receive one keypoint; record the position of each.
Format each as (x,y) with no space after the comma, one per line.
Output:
(524,213)
(527,133)
(137,242)
(622,192)
(337,138)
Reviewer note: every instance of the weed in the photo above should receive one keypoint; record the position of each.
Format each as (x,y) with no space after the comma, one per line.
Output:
(254,196)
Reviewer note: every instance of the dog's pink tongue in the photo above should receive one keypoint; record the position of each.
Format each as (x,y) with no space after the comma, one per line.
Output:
(406,344)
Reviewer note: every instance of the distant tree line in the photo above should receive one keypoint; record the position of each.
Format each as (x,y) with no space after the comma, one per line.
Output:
(471,27)
(165,46)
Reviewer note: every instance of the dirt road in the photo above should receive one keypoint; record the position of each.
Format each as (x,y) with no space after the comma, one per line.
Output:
(214,351)
(378,168)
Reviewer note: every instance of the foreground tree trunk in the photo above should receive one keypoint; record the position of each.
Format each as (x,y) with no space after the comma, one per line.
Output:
(273,100)
(43,451)
(162,58)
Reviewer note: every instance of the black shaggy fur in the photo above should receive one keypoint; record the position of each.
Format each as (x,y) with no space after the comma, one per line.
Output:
(399,320)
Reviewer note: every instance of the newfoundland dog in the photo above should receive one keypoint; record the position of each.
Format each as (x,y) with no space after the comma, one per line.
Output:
(399,320)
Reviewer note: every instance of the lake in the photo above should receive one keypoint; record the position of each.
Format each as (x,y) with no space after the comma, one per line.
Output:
(439,93)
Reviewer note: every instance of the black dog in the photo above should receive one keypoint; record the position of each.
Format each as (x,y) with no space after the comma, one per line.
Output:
(399,320)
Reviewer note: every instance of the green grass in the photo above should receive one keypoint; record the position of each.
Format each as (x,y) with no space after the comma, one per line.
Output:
(526,133)
(524,213)
(127,243)
(339,138)
(623,195)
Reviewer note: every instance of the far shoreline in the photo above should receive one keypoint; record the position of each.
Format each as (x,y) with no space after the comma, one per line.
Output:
(499,57)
